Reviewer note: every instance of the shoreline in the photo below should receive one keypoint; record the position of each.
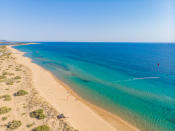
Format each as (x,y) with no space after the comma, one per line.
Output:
(19,98)
(73,106)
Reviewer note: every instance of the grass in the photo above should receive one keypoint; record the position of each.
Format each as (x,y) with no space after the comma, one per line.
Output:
(14,124)
(42,128)
(6,97)
(38,114)
(4,110)
(21,93)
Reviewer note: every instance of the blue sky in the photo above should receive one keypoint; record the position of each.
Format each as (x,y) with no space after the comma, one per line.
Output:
(88,20)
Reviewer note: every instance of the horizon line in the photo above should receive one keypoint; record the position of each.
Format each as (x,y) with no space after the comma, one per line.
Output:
(104,41)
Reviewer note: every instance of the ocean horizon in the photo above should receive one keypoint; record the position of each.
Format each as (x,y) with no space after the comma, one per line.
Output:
(133,81)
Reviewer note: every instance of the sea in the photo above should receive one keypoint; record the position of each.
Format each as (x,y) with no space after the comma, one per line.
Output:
(135,81)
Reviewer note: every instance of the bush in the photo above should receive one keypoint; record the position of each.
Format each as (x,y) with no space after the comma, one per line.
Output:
(11,74)
(37,114)
(18,81)
(21,93)
(9,82)
(2,77)
(17,69)
(6,97)
(4,118)
(17,77)
(1,80)
(23,114)
(5,73)
(4,110)
(14,124)
(30,125)
(42,128)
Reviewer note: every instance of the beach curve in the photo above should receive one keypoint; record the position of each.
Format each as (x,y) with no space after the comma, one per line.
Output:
(66,101)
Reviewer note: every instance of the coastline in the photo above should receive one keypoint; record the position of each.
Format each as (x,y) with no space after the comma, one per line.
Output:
(19,98)
(81,114)
(27,44)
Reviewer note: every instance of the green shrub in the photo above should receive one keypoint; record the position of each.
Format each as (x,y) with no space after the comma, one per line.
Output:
(17,69)
(4,118)
(14,124)
(21,93)
(17,77)
(42,128)
(5,73)
(9,83)
(37,114)
(18,81)
(1,80)
(23,114)
(6,97)
(30,125)
(2,77)
(4,110)
(11,74)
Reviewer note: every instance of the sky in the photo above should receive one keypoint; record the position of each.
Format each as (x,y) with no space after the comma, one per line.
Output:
(88,20)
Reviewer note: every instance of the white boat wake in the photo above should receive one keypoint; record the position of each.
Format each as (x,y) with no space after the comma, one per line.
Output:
(142,78)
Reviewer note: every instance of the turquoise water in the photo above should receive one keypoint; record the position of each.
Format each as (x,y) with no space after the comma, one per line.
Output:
(135,81)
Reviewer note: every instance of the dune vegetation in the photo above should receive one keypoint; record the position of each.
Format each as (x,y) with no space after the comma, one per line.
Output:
(18,110)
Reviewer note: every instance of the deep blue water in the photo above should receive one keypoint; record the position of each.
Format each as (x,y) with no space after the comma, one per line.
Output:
(135,81)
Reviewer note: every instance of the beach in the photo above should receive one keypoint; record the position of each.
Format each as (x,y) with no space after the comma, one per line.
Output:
(21,106)
(87,65)
(79,113)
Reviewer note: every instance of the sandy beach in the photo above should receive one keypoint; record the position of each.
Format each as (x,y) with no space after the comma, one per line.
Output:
(79,113)
(22,108)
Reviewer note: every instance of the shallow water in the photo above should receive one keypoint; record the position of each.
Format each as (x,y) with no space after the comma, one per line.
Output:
(135,81)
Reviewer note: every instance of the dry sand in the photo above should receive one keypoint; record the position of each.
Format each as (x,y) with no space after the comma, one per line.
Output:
(15,77)
(64,100)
